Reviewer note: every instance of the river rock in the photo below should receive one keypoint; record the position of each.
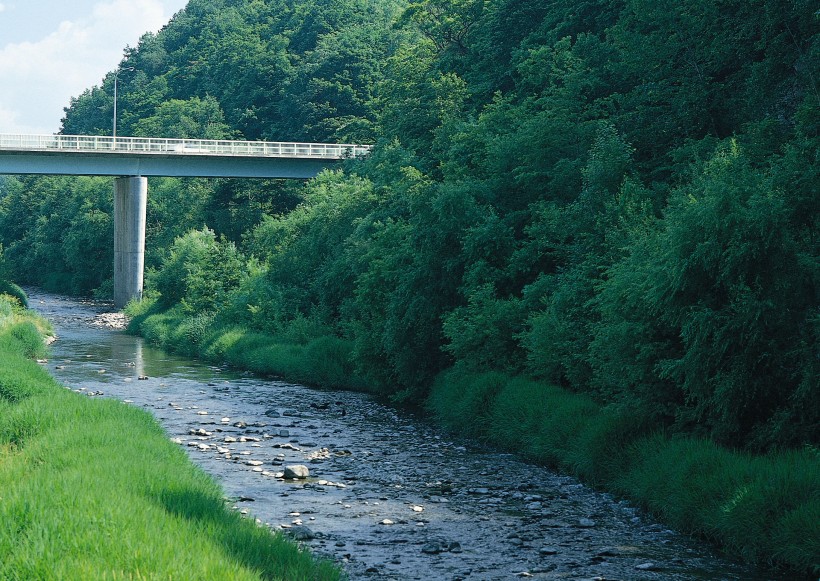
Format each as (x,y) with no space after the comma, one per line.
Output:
(296,472)
(436,547)
(431,549)
(301,533)
(646,567)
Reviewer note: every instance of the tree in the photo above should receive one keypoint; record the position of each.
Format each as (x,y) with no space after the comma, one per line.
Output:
(194,118)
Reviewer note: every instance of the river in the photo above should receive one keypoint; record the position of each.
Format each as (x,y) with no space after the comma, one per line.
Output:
(389,496)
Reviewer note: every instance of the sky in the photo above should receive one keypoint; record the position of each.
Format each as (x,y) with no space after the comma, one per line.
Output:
(52,50)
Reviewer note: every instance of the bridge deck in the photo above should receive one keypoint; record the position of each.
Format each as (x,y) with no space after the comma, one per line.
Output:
(151,156)
(154,145)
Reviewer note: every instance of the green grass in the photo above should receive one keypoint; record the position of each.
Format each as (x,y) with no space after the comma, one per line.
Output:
(320,361)
(93,489)
(764,509)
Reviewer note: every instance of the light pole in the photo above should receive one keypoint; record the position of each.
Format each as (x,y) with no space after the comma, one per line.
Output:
(116,79)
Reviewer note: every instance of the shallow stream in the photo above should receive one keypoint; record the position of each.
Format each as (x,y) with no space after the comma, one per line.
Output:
(388,496)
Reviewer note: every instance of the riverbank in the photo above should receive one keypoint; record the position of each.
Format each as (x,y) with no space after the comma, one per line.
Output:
(764,509)
(93,488)
(458,508)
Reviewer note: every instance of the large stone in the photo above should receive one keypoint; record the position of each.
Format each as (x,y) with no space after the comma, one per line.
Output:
(301,533)
(296,472)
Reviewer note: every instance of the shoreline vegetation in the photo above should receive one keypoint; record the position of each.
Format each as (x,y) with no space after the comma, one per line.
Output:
(93,489)
(763,509)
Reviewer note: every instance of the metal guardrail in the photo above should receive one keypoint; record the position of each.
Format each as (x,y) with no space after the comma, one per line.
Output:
(154,145)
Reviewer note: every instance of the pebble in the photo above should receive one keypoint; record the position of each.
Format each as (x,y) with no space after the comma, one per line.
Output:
(646,567)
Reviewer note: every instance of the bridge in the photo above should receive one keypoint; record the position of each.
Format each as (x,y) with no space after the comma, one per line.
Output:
(131,160)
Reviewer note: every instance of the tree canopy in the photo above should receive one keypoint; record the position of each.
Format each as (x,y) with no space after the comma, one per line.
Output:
(617,196)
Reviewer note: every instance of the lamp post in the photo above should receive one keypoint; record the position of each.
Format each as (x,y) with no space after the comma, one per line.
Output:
(116,79)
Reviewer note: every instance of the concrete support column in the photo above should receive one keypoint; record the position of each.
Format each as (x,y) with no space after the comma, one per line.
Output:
(130,206)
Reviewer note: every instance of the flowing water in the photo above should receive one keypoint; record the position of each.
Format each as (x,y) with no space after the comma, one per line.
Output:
(388,496)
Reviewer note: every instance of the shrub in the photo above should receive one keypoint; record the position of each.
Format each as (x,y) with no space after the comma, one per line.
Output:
(199,272)
(29,340)
(464,401)
(713,320)
(11,289)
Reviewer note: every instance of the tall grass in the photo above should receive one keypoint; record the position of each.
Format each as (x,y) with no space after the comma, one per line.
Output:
(93,489)
(321,361)
(765,509)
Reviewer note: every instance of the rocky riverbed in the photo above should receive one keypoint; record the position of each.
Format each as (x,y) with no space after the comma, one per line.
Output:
(383,493)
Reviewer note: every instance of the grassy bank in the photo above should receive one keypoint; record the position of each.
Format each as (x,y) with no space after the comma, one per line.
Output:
(764,509)
(93,489)
(299,354)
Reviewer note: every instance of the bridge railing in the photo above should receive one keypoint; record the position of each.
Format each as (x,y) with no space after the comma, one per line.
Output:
(154,145)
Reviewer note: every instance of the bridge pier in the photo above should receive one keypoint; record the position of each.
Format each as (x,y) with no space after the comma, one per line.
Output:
(130,207)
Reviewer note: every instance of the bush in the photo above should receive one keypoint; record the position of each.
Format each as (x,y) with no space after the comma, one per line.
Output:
(199,272)
(11,289)
(714,320)
(28,338)
(463,401)
(104,292)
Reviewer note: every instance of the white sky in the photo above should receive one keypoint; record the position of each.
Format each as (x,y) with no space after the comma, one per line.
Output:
(52,50)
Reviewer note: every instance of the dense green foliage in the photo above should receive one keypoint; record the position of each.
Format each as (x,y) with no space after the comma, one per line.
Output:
(614,197)
(617,197)
(93,489)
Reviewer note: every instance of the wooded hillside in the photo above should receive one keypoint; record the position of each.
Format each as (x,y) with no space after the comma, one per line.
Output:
(616,196)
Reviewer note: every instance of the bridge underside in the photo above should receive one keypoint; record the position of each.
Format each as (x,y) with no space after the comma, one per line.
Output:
(151,165)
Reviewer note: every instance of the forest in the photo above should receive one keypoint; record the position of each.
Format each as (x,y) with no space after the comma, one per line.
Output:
(616,199)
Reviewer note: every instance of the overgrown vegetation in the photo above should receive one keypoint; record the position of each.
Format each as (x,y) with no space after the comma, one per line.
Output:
(93,489)
(763,508)
(617,199)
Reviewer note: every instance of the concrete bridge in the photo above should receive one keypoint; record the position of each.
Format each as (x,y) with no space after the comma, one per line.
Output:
(132,159)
